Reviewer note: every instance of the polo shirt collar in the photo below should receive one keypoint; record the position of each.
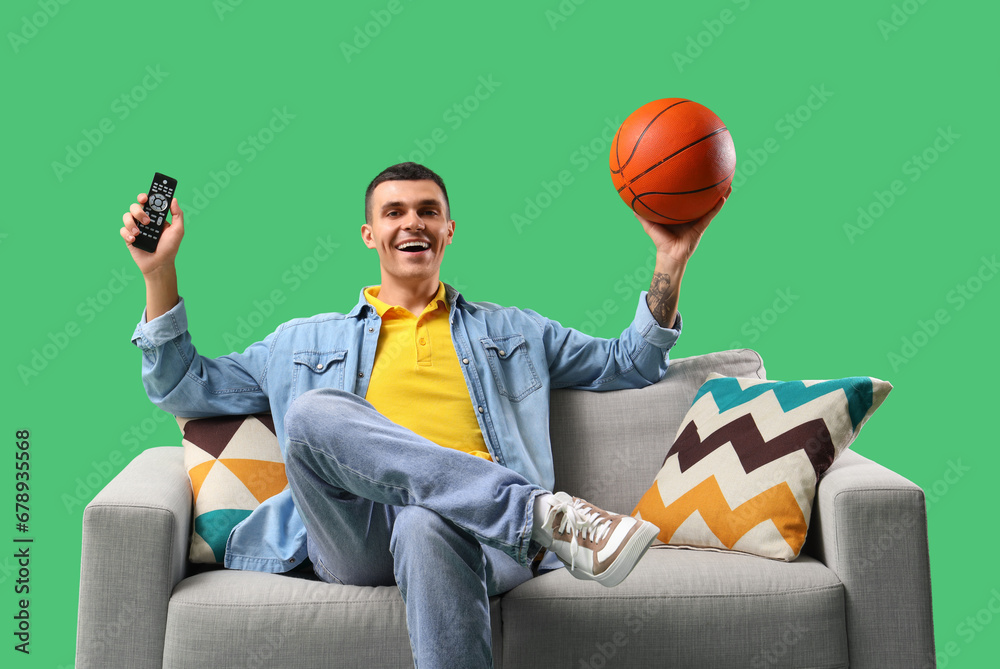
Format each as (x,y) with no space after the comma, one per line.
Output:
(369,296)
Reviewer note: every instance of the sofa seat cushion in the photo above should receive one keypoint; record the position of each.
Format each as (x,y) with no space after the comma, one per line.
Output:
(240,619)
(677,608)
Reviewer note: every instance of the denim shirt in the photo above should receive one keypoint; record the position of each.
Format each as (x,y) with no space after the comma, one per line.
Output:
(511,359)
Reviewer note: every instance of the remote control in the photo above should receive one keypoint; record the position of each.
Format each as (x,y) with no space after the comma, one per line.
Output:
(161,192)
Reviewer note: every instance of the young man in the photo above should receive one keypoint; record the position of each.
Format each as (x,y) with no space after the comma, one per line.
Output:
(414,428)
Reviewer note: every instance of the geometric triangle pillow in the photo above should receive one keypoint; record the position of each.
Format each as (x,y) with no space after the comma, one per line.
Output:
(234,463)
(741,474)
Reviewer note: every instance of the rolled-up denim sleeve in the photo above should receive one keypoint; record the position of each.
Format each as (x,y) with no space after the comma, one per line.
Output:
(180,381)
(638,358)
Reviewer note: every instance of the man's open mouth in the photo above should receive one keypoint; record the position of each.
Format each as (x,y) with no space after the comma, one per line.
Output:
(413,247)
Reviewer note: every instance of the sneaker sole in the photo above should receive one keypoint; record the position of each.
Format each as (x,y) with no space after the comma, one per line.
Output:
(633,551)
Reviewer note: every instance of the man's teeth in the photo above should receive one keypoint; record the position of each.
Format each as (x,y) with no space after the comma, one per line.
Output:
(411,245)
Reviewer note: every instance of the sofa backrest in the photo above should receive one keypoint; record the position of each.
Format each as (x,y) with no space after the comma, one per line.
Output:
(608,446)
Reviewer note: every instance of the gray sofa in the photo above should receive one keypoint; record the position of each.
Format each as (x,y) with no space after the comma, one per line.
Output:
(858,596)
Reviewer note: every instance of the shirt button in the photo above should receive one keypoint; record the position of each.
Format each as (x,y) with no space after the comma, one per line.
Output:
(319,366)
(465,361)
(371,329)
(480,409)
(422,341)
(361,374)
(503,352)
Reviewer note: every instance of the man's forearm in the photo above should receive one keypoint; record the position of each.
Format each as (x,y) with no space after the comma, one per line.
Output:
(161,292)
(664,290)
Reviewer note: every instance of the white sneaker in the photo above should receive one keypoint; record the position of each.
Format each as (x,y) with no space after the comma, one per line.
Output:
(595,544)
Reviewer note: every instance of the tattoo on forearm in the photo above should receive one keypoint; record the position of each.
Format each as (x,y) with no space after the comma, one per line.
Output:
(662,299)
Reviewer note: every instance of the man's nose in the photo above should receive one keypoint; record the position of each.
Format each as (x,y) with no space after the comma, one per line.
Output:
(413,221)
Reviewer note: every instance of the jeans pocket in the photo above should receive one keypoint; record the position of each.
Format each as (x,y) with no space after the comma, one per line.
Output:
(511,365)
(317,369)
(320,570)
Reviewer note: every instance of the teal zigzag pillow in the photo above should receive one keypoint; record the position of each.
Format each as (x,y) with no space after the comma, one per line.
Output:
(742,471)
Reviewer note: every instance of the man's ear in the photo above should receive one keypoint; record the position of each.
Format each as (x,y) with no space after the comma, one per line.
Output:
(367,236)
(451,231)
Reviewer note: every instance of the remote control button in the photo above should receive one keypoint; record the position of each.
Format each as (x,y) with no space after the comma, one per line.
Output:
(158,202)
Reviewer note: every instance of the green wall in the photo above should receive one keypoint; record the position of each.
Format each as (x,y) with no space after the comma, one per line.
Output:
(858,241)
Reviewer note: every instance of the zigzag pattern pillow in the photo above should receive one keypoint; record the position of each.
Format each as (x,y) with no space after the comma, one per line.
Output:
(234,463)
(741,474)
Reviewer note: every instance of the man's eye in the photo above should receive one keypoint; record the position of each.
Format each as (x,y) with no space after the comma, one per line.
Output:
(430,212)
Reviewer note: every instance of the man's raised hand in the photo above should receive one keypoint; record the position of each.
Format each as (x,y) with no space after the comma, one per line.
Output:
(678,242)
(166,249)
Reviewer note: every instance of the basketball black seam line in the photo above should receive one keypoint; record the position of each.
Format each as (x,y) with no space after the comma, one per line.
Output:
(617,142)
(634,198)
(684,192)
(655,193)
(678,151)
(643,134)
(669,218)
(618,158)
(621,167)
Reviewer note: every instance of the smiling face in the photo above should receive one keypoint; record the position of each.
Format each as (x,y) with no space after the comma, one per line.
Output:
(409,229)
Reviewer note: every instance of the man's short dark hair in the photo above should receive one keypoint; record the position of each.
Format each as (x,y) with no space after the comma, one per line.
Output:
(404,172)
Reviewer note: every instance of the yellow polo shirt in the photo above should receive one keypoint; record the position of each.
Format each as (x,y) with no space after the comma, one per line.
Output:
(417,379)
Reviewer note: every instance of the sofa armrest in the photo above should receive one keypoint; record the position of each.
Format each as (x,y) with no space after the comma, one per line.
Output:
(135,545)
(869,527)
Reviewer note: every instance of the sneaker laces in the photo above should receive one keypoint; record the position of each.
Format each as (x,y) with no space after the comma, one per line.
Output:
(579,518)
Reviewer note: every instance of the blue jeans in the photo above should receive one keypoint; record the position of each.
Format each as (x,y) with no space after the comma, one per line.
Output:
(383,505)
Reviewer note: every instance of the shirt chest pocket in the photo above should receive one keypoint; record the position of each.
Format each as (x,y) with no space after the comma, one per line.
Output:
(318,369)
(511,366)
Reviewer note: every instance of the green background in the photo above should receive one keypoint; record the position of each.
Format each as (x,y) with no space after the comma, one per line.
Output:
(777,271)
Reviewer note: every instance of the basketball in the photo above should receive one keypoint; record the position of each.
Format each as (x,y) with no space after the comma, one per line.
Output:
(671,160)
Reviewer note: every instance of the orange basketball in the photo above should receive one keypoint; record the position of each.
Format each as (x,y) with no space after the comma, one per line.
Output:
(672,160)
